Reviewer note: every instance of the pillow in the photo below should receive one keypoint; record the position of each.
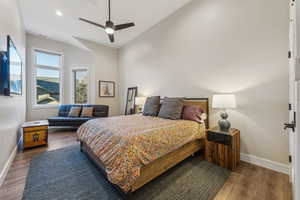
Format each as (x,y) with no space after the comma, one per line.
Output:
(87,112)
(74,112)
(151,107)
(171,108)
(192,113)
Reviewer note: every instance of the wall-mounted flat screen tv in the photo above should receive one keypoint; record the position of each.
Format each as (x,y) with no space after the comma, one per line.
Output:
(11,70)
(4,74)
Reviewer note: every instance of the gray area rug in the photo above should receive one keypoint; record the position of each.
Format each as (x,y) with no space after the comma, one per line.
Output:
(68,174)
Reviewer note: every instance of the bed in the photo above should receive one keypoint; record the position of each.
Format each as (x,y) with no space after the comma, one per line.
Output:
(133,150)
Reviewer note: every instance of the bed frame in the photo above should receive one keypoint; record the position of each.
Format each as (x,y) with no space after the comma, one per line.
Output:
(161,165)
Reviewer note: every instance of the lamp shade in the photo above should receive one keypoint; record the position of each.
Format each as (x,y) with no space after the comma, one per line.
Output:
(140,101)
(224,101)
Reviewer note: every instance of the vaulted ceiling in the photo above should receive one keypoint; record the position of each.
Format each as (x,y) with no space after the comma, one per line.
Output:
(40,18)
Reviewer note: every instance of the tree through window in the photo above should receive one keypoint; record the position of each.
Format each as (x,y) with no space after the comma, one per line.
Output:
(80,80)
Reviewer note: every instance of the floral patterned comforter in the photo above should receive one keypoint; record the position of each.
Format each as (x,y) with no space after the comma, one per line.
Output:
(126,143)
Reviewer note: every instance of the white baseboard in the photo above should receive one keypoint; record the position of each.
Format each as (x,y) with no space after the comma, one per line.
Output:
(7,165)
(262,162)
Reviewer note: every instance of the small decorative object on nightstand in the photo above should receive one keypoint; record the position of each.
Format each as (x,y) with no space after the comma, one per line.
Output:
(140,102)
(224,101)
(223,148)
(35,134)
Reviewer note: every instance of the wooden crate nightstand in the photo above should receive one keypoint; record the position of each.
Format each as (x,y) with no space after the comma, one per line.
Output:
(223,148)
(35,134)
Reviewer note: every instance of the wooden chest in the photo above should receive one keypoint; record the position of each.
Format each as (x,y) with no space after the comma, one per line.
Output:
(223,148)
(35,134)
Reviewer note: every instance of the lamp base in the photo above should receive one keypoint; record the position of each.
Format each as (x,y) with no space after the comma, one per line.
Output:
(224,124)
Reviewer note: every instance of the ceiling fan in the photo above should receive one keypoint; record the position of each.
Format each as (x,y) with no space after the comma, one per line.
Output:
(109,27)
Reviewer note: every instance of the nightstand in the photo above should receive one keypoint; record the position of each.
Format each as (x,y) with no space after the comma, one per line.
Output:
(223,148)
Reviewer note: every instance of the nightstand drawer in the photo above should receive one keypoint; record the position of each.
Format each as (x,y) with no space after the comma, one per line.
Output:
(219,138)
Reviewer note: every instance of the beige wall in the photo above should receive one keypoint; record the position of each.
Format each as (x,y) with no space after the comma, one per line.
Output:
(73,57)
(12,109)
(225,46)
(99,60)
(105,62)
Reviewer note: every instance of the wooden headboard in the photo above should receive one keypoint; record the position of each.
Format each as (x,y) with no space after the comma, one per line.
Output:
(203,103)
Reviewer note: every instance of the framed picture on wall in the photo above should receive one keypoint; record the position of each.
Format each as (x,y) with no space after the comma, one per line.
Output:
(106,89)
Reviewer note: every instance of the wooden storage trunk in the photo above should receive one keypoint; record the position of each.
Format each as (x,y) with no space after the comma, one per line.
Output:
(35,134)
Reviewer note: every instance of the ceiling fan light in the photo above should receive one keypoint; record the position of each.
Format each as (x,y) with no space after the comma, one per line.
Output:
(109,30)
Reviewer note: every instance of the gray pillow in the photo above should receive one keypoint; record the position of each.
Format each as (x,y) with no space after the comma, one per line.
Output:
(151,107)
(171,108)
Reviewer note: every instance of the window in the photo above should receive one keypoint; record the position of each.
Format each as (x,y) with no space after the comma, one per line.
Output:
(47,59)
(47,78)
(80,81)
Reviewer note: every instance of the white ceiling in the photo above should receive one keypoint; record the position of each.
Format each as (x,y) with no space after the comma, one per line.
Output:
(40,18)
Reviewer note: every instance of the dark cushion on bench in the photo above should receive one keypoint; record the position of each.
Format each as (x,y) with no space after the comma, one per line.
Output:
(69,119)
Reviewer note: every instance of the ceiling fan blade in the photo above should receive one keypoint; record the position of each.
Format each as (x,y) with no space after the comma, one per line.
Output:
(111,37)
(90,22)
(123,26)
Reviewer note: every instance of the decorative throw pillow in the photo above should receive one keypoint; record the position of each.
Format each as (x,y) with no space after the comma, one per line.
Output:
(151,107)
(192,113)
(171,108)
(87,112)
(74,112)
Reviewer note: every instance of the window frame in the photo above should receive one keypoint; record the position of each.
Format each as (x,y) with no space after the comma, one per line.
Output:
(73,83)
(35,66)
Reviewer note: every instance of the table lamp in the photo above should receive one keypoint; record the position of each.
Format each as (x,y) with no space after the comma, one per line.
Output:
(224,101)
(140,102)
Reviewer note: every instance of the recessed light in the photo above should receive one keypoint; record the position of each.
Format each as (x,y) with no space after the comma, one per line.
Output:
(59,13)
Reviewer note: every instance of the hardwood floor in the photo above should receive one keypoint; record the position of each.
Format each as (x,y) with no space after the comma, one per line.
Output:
(250,182)
(247,182)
